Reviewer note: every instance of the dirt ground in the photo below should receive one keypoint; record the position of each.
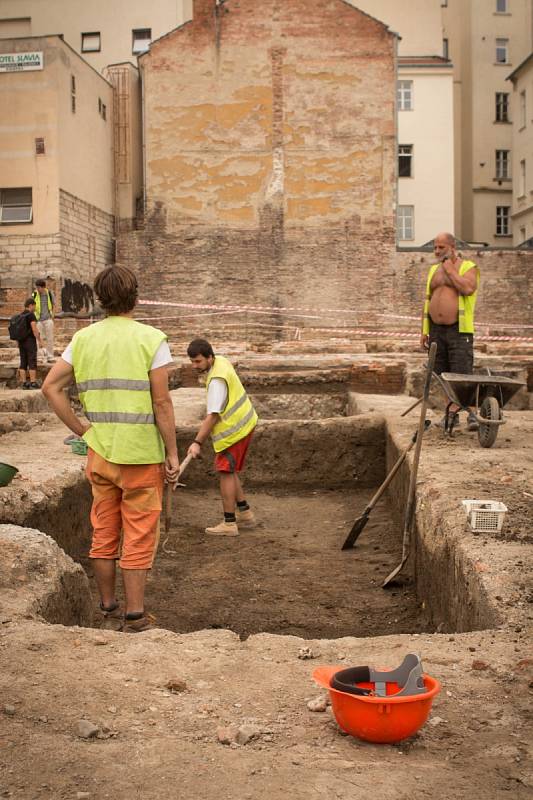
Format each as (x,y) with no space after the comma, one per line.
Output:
(286,576)
(150,742)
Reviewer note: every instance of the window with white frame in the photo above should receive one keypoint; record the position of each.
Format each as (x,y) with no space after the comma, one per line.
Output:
(502,165)
(501,6)
(502,107)
(405,160)
(523,109)
(522,179)
(141,39)
(502,51)
(405,95)
(91,42)
(502,220)
(16,206)
(406,223)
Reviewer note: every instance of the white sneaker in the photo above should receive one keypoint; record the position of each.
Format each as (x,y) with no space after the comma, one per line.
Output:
(224,529)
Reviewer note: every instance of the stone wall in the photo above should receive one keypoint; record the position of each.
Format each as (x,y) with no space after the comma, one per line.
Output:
(73,256)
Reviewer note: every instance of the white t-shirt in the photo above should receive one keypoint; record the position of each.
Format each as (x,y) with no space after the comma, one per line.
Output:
(217,396)
(161,358)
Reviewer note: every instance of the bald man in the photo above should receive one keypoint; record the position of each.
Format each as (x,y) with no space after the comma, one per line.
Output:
(448,317)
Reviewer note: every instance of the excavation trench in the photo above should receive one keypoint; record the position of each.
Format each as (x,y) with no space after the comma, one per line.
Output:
(307,480)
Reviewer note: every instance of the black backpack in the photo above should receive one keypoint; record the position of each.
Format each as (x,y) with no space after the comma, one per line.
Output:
(18,327)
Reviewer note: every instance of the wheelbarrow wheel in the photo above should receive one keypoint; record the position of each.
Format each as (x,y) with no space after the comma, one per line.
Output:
(490,409)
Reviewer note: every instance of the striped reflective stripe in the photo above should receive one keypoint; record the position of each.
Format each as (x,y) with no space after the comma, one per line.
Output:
(237,427)
(113,383)
(235,407)
(120,416)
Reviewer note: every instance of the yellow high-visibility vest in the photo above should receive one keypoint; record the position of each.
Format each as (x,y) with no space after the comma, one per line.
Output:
(466,303)
(238,418)
(37,297)
(111,362)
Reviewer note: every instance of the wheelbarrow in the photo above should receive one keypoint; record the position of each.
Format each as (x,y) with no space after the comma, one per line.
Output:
(485,395)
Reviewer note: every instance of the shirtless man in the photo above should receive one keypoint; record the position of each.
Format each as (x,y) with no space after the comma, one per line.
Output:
(448,317)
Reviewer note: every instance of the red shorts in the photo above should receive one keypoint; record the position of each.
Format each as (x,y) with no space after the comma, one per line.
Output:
(232,459)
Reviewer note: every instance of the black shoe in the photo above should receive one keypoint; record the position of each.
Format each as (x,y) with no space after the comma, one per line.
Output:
(26,385)
(34,385)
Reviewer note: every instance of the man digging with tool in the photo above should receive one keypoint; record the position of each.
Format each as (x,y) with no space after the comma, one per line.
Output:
(230,422)
(448,316)
(120,369)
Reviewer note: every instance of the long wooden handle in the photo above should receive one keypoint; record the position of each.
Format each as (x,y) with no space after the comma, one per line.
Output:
(409,513)
(184,464)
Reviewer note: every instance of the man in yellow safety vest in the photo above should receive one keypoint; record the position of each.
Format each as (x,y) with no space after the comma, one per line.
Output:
(44,312)
(230,421)
(120,370)
(448,316)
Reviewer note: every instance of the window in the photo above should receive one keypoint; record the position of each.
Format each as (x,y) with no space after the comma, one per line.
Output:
(444,4)
(39,146)
(501,6)
(104,111)
(15,206)
(445,49)
(502,164)
(522,184)
(523,109)
(405,95)
(141,40)
(90,42)
(406,223)
(502,220)
(73,94)
(522,234)
(502,107)
(501,51)
(405,161)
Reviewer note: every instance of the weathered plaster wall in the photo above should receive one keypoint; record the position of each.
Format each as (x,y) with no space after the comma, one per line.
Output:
(269,134)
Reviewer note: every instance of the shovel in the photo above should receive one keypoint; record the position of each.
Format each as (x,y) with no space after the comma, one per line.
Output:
(411,499)
(361,521)
(169,488)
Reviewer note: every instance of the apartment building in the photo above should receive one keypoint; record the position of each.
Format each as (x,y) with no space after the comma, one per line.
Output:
(56,156)
(522,147)
(103,31)
(425,131)
(485,40)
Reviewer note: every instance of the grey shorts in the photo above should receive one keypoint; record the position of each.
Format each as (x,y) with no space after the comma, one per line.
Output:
(455,351)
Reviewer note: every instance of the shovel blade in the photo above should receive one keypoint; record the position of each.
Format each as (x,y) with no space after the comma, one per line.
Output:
(355,532)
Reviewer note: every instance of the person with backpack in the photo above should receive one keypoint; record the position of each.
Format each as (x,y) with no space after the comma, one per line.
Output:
(23,329)
(44,313)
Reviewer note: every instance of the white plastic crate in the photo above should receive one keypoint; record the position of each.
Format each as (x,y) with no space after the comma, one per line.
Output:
(485,516)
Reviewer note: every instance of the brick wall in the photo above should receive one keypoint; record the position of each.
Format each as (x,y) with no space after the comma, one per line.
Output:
(86,235)
(270,155)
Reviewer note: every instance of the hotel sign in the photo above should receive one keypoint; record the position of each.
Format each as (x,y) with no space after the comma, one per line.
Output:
(20,62)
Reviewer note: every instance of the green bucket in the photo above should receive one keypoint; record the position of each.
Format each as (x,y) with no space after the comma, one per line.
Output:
(7,473)
(79,447)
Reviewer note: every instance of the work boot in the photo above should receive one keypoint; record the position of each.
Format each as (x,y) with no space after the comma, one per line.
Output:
(112,620)
(456,421)
(246,518)
(144,623)
(471,422)
(224,529)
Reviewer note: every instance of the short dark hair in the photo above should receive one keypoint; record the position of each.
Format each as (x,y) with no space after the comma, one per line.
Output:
(200,347)
(29,302)
(117,289)
(40,282)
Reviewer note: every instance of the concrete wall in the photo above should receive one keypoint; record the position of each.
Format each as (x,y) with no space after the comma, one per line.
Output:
(269,150)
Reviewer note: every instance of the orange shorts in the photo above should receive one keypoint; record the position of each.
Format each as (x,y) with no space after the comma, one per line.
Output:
(127,498)
(232,459)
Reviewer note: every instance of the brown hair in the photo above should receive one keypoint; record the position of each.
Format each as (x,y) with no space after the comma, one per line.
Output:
(200,347)
(116,289)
